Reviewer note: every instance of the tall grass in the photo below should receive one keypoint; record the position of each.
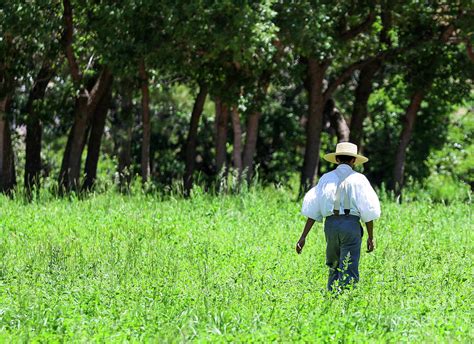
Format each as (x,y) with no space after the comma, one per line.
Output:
(223,268)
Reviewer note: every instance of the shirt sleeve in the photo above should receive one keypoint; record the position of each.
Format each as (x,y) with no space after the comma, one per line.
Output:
(367,201)
(311,205)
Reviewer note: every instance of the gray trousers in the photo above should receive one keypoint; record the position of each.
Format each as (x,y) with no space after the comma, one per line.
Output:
(343,241)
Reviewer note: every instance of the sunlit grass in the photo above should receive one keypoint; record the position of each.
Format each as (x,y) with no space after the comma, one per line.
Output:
(137,268)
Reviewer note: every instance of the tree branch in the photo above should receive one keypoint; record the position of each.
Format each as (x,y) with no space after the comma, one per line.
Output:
(68,39)
(470,52)
(448,31)
(386,16)
(99,89)
(346,73)
(351,33)
(451,35)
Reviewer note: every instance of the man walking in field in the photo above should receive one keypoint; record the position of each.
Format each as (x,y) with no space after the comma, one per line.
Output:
(343,197)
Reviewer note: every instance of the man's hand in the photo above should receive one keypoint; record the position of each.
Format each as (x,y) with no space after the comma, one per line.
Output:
(300,245)
(307,228)
(370,233)
(370,245)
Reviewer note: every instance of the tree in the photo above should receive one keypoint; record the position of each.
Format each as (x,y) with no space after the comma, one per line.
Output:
(142,34)
(123,123)
(427,65)
(34,128)
(228,71)
(190,149)
(321,34)
(145,158)
(362,94)
(368,72)
(221,123)
(96,131)
(7,167)
(380,62)
(86,102)
(29,39)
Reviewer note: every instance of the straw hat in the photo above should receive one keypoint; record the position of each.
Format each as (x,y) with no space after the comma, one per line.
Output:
(346,148)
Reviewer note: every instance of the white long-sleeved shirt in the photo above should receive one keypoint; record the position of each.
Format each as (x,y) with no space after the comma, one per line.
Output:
(361,197)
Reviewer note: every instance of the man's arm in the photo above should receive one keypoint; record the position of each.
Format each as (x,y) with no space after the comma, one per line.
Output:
(370,234)
(307,227)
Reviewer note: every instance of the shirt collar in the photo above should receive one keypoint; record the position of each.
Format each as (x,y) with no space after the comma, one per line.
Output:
(344,167)
(344,170)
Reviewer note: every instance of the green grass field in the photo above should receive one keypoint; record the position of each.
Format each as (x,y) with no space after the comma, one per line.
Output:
(114,268)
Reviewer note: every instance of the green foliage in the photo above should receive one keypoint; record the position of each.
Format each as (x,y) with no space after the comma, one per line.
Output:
(114,268)
(238,48)
(131,31)
(456,157)
(450,73)
(446,189)
(29,34)
(313,28)
(281,134)
(382,131)
(452,165)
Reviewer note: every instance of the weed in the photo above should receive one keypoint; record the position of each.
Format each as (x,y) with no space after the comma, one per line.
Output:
(223,268)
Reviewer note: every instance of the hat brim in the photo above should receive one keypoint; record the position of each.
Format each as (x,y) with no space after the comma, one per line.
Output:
(360,159)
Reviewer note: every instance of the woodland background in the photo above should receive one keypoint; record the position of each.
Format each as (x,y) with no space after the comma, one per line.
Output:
(124,107)
(230,93)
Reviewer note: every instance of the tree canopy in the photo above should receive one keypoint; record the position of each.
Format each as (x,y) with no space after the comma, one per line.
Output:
(231,89)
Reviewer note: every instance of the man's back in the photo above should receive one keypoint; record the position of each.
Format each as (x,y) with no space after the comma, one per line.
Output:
(363,202)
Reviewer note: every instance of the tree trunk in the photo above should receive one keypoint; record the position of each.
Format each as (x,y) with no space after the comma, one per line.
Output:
(34,129)
(70,167)
(222,119)
(63,181)
(314,126)
(405,136)
(77,143)
(339,122)
(336,121)
(362,93)
(190,150)
(95,137)
(125,141)
(251,143)
(145,156)
(237,150)
(86,103)
(7,163)
(470,51)
(252,126)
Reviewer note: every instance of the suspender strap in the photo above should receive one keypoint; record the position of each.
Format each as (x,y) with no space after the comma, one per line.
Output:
(341,187)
